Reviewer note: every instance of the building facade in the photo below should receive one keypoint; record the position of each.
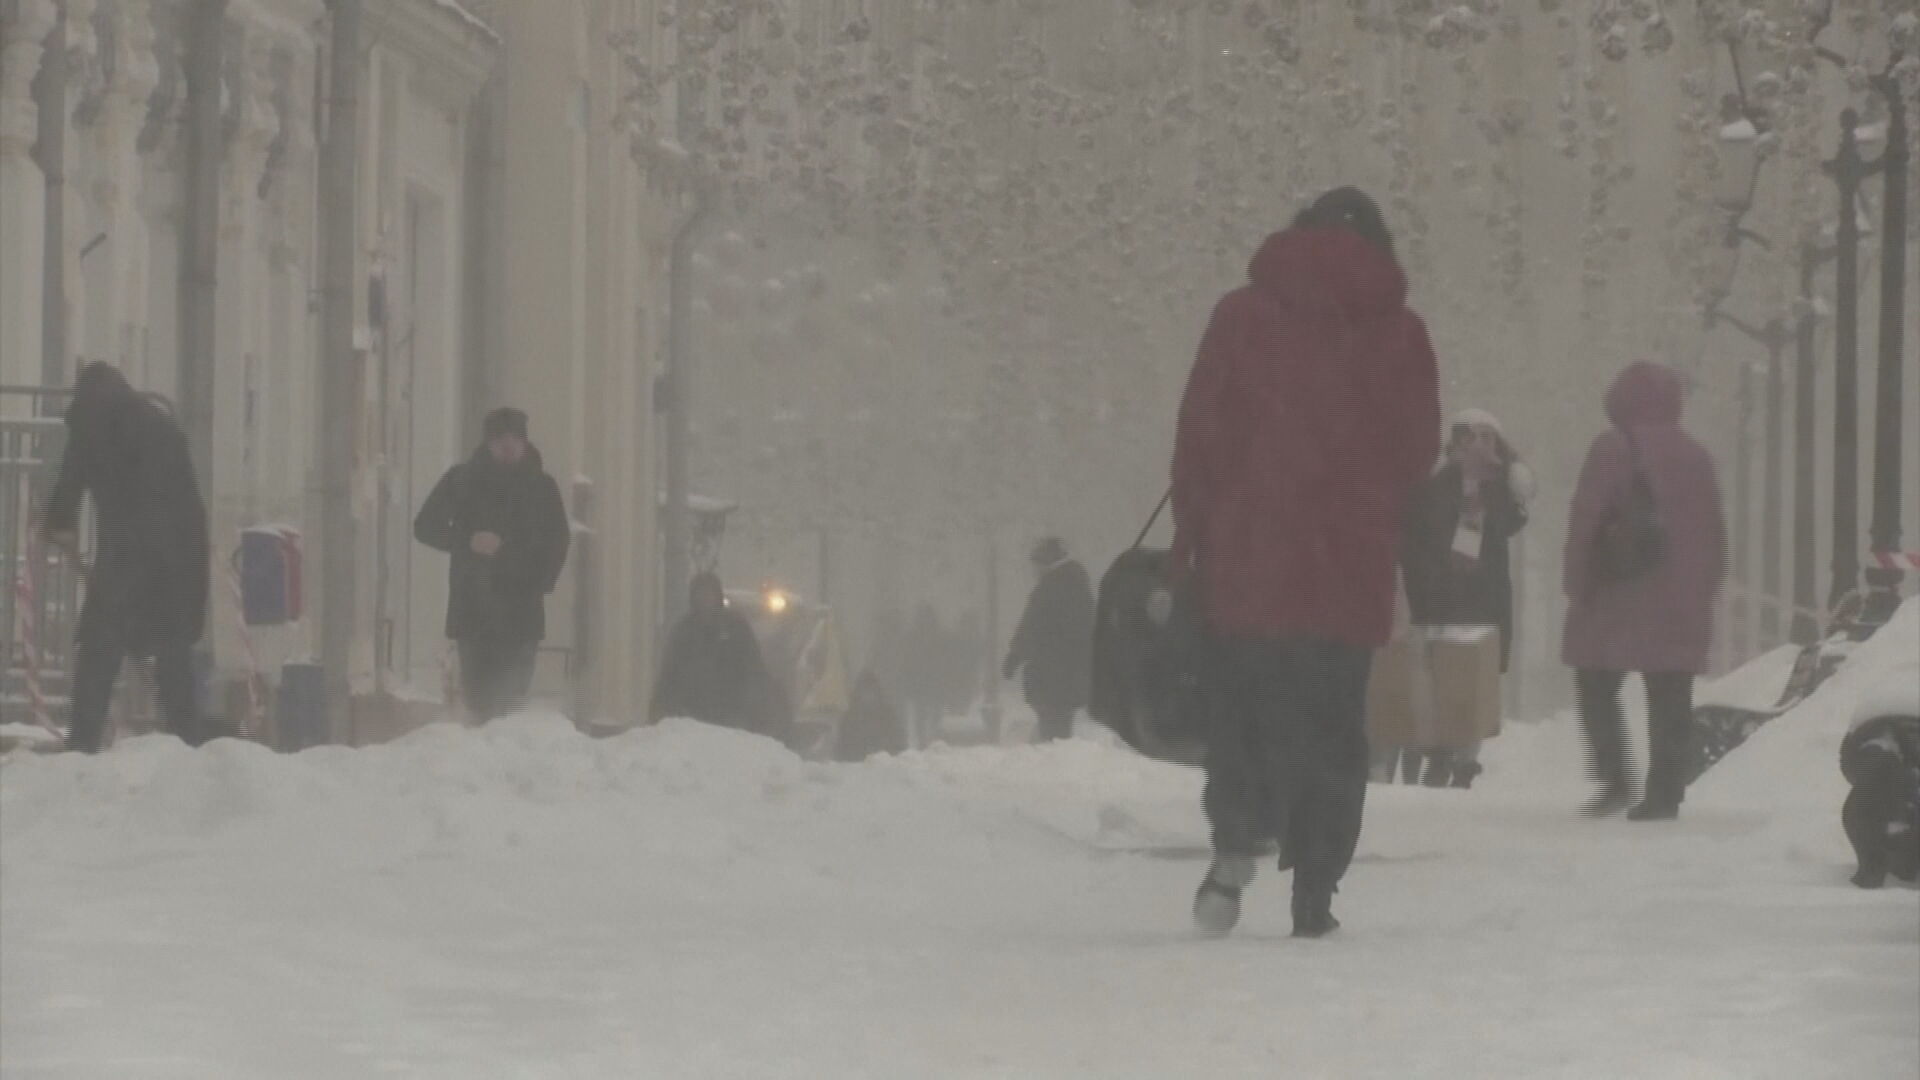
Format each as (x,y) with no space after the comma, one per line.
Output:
(163,206)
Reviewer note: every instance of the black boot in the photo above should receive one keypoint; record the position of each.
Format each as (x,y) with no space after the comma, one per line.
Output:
(1464,772)
(1654,809)
(1662,801)
(1439,771)
(1313,912)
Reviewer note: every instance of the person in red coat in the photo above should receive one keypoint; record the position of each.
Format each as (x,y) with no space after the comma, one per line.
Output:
(1311,417)
(1660,622)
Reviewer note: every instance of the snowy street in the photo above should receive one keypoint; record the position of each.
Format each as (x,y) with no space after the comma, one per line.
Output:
(684,901)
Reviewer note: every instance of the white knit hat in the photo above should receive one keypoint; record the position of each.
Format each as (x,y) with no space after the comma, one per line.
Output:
(1479,418)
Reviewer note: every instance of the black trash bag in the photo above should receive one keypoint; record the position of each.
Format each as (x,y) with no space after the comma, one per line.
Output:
(1150,659)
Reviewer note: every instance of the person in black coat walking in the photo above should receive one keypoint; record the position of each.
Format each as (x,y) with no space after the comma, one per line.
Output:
(714,670)
(1456,558)
(1053,648)
(500,517)
(146,592)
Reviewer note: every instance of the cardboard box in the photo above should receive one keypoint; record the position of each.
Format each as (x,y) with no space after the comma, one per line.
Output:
(1435,688)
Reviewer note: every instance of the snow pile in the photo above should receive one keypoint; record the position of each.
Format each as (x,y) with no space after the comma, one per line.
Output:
(522,900)
(31,737)
(1755,685)
(688,799)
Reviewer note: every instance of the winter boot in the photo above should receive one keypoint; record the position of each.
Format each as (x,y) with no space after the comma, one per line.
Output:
(1439,771)
(1216,906)
(1652,809)
(1611,799)
(1464,772)
(1313,913)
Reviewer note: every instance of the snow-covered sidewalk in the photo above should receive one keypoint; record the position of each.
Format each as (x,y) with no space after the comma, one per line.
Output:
(683,901)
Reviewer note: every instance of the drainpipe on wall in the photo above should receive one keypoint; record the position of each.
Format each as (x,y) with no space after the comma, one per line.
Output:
(200,230)
(339,165)
(51,154)
(676,396)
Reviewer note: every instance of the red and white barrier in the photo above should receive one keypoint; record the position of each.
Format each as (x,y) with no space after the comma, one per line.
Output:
(1895,560)
(251,723)
(26,609)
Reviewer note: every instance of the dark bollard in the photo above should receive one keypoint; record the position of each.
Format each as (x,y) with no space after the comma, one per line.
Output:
(300,709)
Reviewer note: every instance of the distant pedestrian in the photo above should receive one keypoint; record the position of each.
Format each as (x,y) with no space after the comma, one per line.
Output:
(500,516)
(146,592)
(714,670)
(1310,418)
(1645,558)
(1456,556)
(1053,648)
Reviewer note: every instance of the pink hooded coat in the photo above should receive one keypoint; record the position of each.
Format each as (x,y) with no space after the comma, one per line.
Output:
(1663,620)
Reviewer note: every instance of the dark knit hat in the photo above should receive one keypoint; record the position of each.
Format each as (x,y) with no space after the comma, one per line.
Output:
(1049,550)
(1351,209)
(505,422)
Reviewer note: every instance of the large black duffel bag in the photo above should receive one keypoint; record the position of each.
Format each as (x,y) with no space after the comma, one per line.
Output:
(1149,660)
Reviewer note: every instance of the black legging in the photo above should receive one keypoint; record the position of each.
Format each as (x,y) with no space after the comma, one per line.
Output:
(496,676)
(1669,731)
(96,671)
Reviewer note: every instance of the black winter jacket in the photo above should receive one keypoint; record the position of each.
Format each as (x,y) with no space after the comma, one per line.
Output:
(151,558)
(1438,593)
(1053,647)
(714,672)
(502,598)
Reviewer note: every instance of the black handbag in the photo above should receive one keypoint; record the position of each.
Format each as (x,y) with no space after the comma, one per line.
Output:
(1632,538)
(1150,656)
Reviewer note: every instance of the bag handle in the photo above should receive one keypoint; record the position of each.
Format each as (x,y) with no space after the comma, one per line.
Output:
(1153,520)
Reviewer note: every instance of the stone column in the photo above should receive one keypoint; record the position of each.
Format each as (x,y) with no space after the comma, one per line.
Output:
(80,217)
(117,304)
(163,202)
(252,124)
(22,194)
(289,233)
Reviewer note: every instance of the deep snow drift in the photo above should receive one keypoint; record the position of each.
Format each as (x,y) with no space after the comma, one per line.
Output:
(682,901)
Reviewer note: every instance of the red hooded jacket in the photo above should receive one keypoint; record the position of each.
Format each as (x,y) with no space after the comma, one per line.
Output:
(1663,620)
(1311,417)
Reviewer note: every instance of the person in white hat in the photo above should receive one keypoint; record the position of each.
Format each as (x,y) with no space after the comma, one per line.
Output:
(1457,561)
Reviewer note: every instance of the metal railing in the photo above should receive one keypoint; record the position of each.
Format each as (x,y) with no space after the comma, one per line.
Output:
(43,590)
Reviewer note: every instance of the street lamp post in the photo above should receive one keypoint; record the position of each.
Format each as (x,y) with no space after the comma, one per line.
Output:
(1806,625)
(1848,170)
(1742,520)
(1774,337)
(1888,404)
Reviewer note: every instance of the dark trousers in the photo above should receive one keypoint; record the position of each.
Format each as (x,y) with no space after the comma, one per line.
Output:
(496,676)
(97,669)
(1669,731)
(1054,724)
(1287,753)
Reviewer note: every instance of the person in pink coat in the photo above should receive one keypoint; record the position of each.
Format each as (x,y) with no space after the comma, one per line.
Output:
(1658,622)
